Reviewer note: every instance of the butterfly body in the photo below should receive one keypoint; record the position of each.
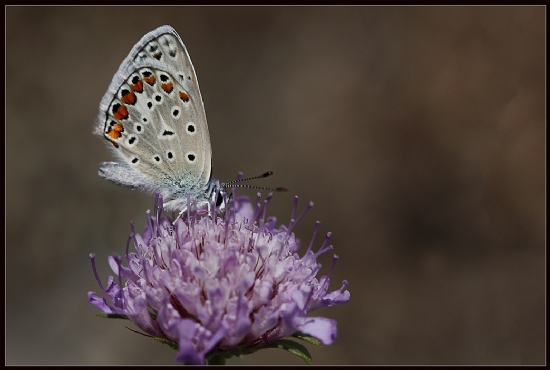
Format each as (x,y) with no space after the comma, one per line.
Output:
(153,119)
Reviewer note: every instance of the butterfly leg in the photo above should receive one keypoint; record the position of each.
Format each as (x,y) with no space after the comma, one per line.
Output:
(179,215)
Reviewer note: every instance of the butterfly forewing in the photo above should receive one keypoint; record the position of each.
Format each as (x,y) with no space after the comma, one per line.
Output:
(154,116)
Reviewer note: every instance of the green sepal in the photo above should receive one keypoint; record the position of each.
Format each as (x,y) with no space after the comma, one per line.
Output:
(216,360)
(293,347)
(170,343)
(112,316)
(288,345)
(218,357)
(307,338)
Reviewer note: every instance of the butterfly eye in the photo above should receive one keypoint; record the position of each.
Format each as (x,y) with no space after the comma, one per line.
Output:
(219,200)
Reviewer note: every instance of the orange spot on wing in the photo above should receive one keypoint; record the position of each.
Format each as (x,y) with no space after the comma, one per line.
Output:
(121,112)
(129,98)
(138,87)
(117,127)
(168,87)
(150,80)
(184,96)
(114,134)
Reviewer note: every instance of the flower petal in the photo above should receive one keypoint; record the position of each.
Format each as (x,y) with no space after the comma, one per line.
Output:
(321,328)
(219,283)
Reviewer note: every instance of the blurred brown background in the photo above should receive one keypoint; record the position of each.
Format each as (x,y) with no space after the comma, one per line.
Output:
(419,133)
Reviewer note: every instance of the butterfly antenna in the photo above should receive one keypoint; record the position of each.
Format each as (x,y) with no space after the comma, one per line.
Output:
(256,187)
(266,174)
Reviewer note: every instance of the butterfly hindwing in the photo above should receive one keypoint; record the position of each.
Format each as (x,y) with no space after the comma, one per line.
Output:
(153,116)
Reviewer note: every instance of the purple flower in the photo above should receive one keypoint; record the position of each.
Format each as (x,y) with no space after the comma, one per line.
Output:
(220,286)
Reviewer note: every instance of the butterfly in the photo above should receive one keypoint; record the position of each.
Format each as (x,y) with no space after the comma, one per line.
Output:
(153,119)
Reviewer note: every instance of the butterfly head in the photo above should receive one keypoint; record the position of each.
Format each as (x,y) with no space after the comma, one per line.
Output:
(212,195)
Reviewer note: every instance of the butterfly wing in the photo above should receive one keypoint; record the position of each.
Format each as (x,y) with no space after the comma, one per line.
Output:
(153,117)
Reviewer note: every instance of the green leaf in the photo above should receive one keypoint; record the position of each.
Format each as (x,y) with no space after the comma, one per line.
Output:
(307,338)
(240,352)
(170,343)
(286,344)
(112,316)
(227,354)
(293,347)
(216,360)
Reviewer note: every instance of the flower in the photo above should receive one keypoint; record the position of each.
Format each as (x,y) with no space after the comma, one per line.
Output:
(213,286)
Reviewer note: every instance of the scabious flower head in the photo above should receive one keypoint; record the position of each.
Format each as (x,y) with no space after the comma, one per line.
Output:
(220,285)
